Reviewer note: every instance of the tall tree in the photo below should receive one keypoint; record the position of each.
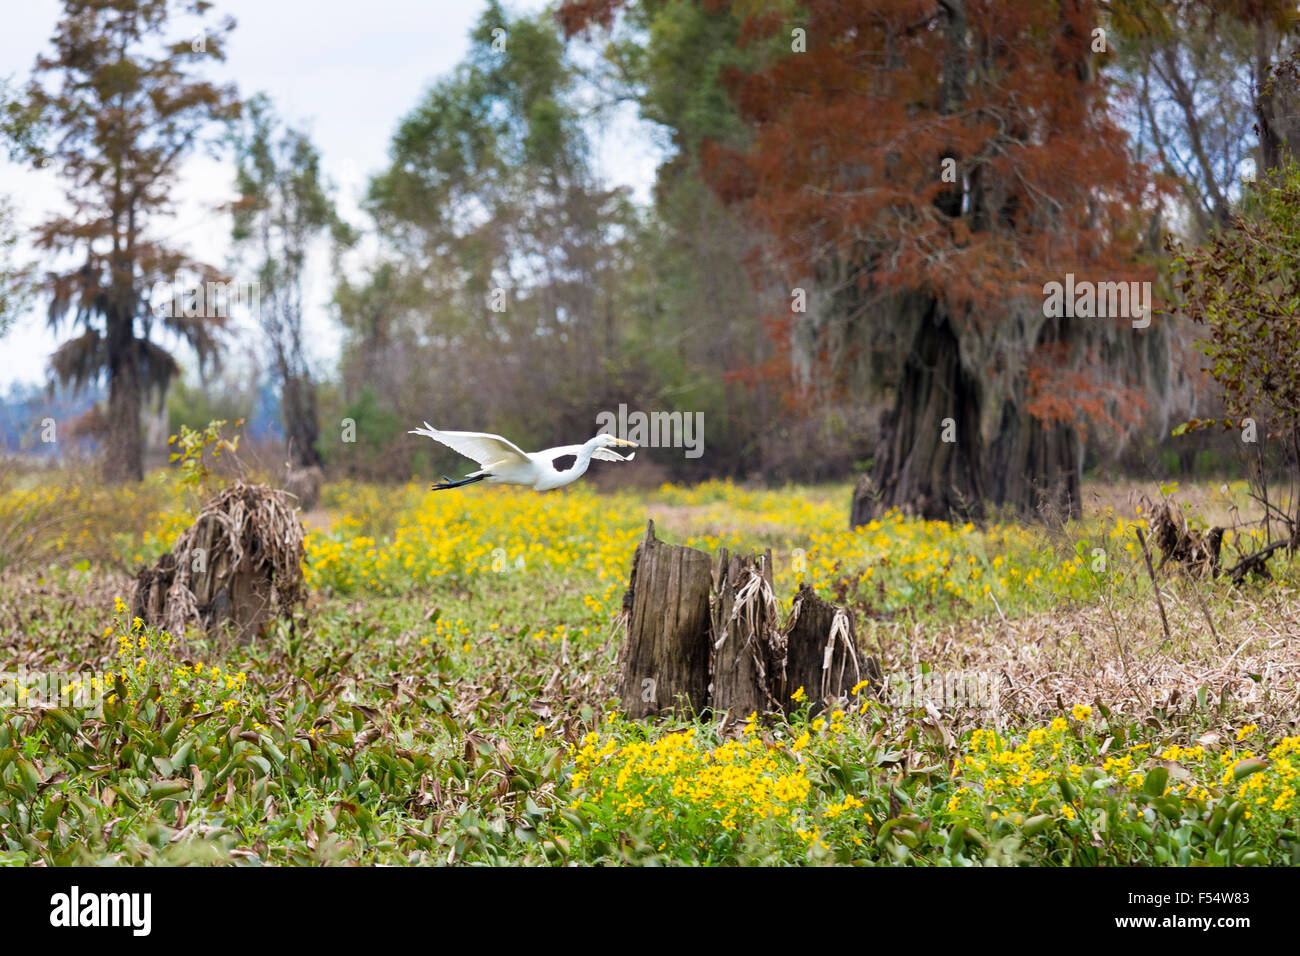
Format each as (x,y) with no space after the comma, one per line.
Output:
(1274,25)
(283,208)
(370,312)
(124,107)
(707,307)
(16,279)
(929,165)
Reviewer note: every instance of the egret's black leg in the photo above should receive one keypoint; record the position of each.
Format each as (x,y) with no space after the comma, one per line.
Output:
(449,483)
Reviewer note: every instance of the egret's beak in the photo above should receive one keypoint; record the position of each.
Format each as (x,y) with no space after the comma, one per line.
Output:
(626,443)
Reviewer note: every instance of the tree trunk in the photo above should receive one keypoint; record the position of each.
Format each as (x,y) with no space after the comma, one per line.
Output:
(931,460)
(664,662)
(1036,468)
(124,444)
(928,460)
(227,593)
(743,637)
(301,430)
(1266,121)
(305,485)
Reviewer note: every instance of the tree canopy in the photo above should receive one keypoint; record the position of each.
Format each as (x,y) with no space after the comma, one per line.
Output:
(122,105)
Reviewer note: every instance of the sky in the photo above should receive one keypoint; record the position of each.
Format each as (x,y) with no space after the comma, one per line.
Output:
(346,72)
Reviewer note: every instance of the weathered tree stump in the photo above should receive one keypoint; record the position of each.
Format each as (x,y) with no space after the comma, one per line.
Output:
(664,662)
(745,630)
(821,653)
(684,651)
(238,566)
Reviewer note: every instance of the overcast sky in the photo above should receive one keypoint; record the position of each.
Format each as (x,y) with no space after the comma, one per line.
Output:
(344,70)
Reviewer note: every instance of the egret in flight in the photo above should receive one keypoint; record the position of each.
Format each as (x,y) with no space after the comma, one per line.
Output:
(503,462)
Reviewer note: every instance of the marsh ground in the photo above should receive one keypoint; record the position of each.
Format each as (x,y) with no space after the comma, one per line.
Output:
(446,693)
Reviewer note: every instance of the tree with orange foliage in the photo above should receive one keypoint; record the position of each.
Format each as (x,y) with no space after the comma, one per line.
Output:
(928,167)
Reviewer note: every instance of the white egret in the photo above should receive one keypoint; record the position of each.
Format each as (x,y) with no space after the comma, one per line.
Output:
(504,463)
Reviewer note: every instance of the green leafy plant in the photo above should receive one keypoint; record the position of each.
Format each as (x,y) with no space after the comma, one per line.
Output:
(1243,286)
(193,444)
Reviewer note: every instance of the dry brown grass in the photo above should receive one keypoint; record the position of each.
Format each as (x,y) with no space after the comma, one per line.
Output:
(1116,655)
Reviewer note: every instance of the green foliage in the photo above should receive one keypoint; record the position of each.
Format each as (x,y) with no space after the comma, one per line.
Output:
(499,117)
(840,790)
(672,56)
(300,752)
(195,406)
(1243,285)
(376,428)
(191,447)
(282,191)
(22,129)
(463,716)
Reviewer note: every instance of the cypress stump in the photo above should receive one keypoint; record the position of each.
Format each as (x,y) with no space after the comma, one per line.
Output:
(237,567)
(746,632)
(697,641)
(664,662)
(822,654)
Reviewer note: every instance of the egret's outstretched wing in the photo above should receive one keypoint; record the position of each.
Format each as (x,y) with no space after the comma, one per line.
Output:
(490,451)
(608,454)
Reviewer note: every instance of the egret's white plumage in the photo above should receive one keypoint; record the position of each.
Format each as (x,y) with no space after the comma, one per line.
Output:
(503,462)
